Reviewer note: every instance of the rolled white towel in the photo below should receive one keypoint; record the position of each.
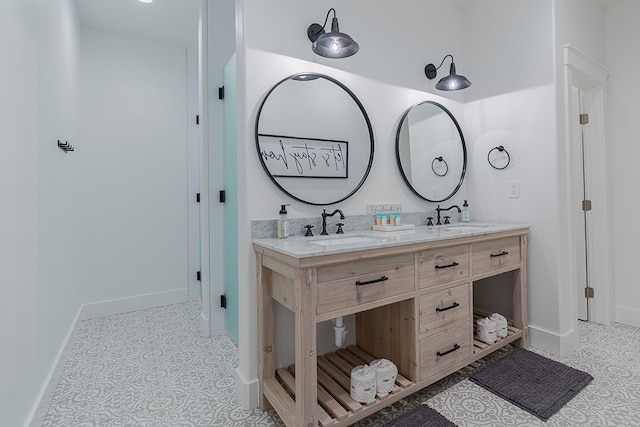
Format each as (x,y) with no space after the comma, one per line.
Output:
(363,384)
(386,373)
(486,330)
(501,325)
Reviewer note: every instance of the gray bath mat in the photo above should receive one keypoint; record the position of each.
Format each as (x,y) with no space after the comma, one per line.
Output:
(538,385)
(421,416)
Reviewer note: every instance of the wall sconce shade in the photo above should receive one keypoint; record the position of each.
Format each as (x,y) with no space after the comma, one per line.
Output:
(334,44)
(451,82)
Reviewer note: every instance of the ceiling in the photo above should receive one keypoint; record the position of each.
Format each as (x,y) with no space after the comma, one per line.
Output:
(169,21)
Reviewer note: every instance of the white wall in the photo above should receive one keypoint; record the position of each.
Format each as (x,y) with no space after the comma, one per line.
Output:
(513,103)
(623,61)
(38,107)
(133,148)
(58,296)
(18,215)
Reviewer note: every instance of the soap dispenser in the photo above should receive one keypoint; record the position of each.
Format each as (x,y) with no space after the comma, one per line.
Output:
(283,223)
(466,214)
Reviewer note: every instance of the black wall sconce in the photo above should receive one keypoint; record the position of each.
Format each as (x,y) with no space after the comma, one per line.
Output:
(334,44)
(452,82)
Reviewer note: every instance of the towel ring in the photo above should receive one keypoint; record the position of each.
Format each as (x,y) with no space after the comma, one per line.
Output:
(501,149)
(441,160)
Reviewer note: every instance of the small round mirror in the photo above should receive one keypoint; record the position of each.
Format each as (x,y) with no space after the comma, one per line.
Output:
(430,151)
(314,139)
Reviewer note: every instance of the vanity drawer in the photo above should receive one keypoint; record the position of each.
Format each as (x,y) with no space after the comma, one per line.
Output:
(442,307)
(349,284)
(444,265)
(443,350)
(495,254)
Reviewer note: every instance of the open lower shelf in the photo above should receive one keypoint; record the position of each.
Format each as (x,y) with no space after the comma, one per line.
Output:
(480,348)
(335,406)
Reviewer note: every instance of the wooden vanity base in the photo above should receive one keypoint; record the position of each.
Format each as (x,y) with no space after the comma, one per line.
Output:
(414,306)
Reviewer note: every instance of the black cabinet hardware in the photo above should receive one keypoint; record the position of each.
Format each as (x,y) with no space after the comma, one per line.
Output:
(368,282)
(453,264)
(503,253)
(454,305)
(444,353)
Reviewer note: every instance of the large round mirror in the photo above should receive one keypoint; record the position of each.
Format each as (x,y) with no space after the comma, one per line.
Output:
(430,151)
(314,139)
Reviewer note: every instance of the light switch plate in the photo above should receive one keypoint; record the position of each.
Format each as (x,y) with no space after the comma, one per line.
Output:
(514,189)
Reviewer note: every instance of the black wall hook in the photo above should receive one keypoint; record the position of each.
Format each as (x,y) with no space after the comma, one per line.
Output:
(66,147)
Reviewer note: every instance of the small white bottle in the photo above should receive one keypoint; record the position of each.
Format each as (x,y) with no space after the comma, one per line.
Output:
(283,223)
(466,214)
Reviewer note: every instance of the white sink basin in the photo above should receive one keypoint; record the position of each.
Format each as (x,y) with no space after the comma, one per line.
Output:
(463,228)
(345,240)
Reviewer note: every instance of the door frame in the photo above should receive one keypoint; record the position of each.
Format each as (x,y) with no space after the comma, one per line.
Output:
(584,73)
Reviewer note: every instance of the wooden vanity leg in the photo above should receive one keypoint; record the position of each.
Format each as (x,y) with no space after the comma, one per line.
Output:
(266,331)
(306,357)
(520,304)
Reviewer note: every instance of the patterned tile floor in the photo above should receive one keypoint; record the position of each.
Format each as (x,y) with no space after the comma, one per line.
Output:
(151,368)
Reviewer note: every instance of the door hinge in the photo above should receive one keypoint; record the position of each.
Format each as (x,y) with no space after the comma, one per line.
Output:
(223,301)
(221,92)
(198,276)
(584,119)
(586,205)
(222,196)
(197,119)
(589,292)
(197,197)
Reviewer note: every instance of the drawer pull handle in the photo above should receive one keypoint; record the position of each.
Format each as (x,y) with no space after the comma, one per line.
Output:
(368,282)
(453,264)
(444,353)
(454,305)
(503,253)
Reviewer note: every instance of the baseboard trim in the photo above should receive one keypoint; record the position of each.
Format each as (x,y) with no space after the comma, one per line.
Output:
(552,342)
(246,391)
(138,302)
(627,315)
(92,311)
(45,396)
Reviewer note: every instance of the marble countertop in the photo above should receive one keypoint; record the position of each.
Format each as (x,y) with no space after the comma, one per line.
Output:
(304,247)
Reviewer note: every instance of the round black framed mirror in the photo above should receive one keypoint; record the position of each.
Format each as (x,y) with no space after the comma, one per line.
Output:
(314,139)
(430,151)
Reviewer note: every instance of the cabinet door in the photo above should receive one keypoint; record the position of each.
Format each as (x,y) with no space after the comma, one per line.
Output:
(438,266)
(349,284)
(495,255)
(443,307)
(443,350)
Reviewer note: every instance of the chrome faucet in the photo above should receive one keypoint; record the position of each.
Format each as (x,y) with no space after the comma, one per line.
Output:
(439,209)
(324,220)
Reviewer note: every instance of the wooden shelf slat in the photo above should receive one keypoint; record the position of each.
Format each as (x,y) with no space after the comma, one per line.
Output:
(339,393)
(289,382)
(335,405)
(326,399)
(281,400)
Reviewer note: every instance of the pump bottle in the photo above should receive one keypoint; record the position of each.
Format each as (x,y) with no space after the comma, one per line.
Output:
(466,214)
(283,223)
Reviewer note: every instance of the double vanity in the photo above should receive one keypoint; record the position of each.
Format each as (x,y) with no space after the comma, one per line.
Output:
(413,297)
(415,294)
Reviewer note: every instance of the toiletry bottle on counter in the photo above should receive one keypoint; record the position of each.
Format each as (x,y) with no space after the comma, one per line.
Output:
(283,223)
(466,214)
